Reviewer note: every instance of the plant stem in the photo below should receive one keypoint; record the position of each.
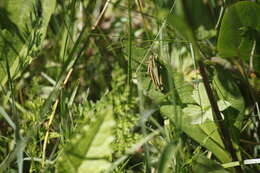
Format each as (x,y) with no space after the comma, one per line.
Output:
(129,79)
(217,115)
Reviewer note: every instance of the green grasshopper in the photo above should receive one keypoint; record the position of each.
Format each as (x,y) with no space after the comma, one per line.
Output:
(154,69)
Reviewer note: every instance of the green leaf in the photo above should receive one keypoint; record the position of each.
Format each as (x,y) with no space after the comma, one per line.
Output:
(205,134)
(222,105)
(89,150)
(239,28)
(198,115)
(183,88)
(201,112)
(202,164)
(200,96)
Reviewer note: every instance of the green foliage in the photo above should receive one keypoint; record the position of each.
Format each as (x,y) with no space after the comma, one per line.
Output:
(124,112)
(22,31)
(124,90)
(240,27)
(89,149)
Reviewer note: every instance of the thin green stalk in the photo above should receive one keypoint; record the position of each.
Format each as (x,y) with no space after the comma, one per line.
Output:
(144,116)
(217,115)
(129,71)
(18,138)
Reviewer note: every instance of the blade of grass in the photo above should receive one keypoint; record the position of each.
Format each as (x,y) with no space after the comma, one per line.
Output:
(166,157)
(130,39)
(18,138)
(7,118)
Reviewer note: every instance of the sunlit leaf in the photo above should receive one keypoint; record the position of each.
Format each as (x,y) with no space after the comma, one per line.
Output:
(199,113)
(183,88)
(89,149)
(200,96)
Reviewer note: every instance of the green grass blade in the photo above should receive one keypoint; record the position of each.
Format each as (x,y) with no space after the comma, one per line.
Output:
(166,157)
(7,118)
(129,43)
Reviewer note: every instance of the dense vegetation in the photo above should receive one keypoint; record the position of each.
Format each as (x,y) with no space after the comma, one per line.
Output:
(129,86)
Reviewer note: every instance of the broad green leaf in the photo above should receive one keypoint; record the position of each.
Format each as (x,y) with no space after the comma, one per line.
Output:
(239,29)
(195,113)
(202,112)
(199,115)
(182,59)
(197,121)
(205,134)
(222,105)
(200,96)
(227,89)
(210,128)
(22,32)
(204,118)
(201,164)
(100,147)
(89,150)
(183,88)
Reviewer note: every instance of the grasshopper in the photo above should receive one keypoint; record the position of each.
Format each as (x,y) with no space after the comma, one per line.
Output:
(153,70)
